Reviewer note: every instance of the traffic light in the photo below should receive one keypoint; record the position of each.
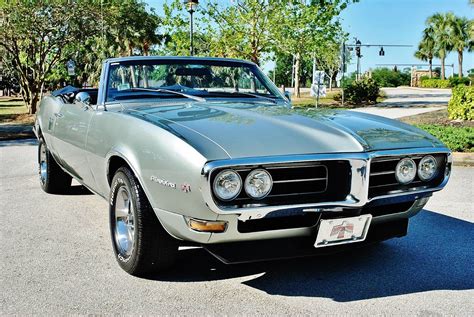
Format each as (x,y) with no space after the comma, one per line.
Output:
(357,49)
(381,52)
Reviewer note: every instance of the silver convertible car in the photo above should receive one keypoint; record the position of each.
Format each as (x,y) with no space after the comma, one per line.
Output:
(208,152)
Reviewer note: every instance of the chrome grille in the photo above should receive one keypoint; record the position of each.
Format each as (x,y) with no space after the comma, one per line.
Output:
(382,179)
(297,183)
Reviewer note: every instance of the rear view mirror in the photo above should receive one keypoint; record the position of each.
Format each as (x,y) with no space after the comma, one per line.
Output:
(84,98)
(288,95)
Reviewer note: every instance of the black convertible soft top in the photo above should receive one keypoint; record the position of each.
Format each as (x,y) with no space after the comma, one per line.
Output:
(68,90)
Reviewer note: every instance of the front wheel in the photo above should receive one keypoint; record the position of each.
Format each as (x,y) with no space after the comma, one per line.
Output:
(141,245)
(53,179)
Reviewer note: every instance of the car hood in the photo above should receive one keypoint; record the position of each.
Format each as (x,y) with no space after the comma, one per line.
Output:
(251,130)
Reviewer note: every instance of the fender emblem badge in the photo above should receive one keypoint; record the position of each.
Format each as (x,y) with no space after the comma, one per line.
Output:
(186,188)
(163,182)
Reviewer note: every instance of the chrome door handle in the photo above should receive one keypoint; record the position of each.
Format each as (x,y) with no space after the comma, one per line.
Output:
(58,115)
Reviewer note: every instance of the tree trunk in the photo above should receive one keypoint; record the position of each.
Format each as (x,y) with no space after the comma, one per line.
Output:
(34,103)
(145,76)
(254,57)
(430,61)
(460,63)
(443,77)
(132,76)
(296,89)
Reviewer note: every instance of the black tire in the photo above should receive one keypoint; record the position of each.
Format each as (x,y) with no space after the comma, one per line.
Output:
(152,248)
(53,179)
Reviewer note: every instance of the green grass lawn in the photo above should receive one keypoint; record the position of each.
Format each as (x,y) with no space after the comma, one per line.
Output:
(307,101)
(328,101)
(13,110)
(457,135)
(457,138)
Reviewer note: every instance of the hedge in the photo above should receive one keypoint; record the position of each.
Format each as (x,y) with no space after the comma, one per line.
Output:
(461,105)
(434,83)
(362,91)
(426,82)
(458,139)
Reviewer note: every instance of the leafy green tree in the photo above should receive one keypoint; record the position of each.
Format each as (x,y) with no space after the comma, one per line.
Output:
(385,77)
(34,34)
(8,81)
(462,36)
(175,27)
(440,24)
(283,69)
(39,38)
(328,56)
(301,26)
(242,28)
(426,49)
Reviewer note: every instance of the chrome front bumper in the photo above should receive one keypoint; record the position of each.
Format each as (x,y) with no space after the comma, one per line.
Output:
(177,226)
(359,192)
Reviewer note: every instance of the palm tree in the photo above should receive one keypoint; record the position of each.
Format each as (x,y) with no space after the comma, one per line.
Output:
(440,23)
(461,36)
(426,48)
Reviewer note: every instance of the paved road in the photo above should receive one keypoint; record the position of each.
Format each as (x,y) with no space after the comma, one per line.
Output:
(405,101)
(57,259)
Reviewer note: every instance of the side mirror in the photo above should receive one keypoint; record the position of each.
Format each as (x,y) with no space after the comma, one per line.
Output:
(288,95)
(84,98)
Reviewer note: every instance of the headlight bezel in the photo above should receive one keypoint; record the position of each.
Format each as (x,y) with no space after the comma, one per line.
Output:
(415,171)
(436,169)
(215,183)
(254,171)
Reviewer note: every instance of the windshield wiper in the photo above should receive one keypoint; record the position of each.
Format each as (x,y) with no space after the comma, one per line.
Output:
(200,99)
(253,95)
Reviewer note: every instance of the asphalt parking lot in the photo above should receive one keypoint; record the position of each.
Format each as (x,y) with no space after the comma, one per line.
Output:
(57,259)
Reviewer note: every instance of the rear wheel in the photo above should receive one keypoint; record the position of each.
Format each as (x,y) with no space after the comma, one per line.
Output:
(140,243)
(53,179)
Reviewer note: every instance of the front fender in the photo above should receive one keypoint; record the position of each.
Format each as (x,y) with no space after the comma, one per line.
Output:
(157,158)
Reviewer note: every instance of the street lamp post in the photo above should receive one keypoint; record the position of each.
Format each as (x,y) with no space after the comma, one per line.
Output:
(191,7)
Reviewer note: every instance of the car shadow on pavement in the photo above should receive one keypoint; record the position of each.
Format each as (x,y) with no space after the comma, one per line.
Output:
(77,190)
(437,254)
(18,142)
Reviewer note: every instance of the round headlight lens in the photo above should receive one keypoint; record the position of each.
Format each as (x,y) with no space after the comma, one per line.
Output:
(227,185)
(258,184)
(405,171)
(427,168)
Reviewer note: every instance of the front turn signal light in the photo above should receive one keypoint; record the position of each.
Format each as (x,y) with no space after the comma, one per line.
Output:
(207,226)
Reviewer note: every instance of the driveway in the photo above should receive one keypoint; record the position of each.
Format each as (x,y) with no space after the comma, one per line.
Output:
(406,101)
(57,259)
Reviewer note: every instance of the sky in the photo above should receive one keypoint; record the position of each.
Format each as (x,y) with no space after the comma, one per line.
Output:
(391,22)
(399,22)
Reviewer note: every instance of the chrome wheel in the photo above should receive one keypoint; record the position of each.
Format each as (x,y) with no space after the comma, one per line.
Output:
(43,164)
(124,223)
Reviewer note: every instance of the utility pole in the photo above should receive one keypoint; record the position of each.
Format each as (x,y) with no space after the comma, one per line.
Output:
(343,69)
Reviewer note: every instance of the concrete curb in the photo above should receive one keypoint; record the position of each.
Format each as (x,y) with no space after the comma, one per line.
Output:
(463,159)
(422,89)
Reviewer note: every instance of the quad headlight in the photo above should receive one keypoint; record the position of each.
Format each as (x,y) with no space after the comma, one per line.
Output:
(405,171)
(427,168)
(258,184)
(227,185)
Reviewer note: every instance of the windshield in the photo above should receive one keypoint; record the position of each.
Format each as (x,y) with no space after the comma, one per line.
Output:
(161,79)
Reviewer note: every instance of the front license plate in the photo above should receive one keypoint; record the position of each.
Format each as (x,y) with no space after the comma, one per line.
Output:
(342,231)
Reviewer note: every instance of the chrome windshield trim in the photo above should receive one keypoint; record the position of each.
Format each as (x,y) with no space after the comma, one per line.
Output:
(360,171)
